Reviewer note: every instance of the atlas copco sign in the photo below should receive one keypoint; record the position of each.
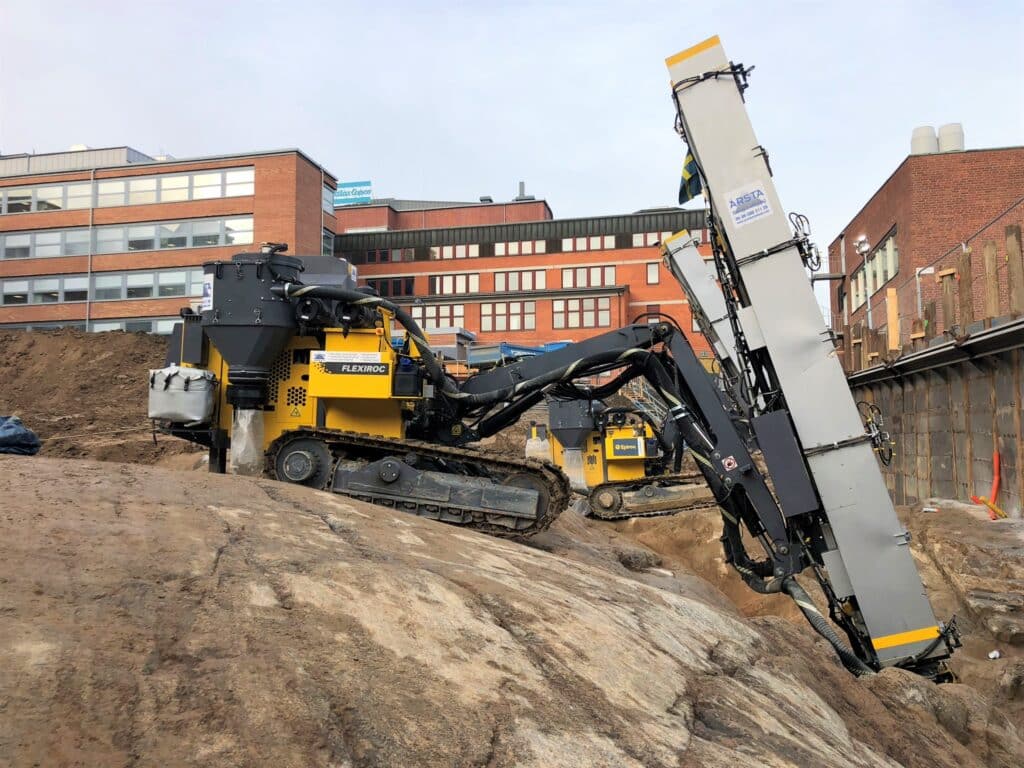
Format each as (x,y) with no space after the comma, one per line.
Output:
(352,193)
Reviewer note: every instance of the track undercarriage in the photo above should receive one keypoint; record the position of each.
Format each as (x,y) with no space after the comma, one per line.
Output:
(657,496)
(485,492)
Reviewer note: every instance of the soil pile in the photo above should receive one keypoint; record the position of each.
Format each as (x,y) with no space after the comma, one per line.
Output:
(84,394)
(231,621)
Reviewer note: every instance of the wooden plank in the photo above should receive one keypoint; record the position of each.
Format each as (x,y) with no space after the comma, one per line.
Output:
(847,348)
(968,435)
(964,283)
(939,274)
(991,280)
(930,331)
(892,311)
(1018,426)
(1015,268)
(948,300)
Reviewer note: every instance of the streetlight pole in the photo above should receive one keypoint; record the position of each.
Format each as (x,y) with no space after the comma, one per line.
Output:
(863,246)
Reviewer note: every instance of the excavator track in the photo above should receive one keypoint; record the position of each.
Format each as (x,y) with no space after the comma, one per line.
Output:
(352,446)
(631,499)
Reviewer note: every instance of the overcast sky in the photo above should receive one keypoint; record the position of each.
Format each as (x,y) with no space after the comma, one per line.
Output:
(456,100)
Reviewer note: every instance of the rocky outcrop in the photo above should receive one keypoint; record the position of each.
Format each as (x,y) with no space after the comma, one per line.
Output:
(153,617)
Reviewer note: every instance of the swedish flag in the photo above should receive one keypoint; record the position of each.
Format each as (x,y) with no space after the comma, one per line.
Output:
(689,185)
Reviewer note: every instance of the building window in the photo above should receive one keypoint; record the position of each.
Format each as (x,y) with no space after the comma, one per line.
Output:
(588,277)
(439,315)
(327,199)
(125,238)
(139,285)
(880,266)
(394,286)
(107,286)
(446,285)
(142,191)
(527,280)
(327,243)
(134,190)
(653,273)
(15,291)
(524,247)
(653,311)
(504,316)
(589,243)
(581,313)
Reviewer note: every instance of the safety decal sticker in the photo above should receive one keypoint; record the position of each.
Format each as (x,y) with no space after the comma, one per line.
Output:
(207,303)
(319,356)
(748,204)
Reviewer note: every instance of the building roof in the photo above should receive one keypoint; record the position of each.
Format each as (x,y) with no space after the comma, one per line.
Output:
(415,205)
(24,164)
(925,157)
(663,220)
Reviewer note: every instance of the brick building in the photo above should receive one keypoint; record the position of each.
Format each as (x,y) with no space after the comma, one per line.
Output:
(510,272)
(105,239)
(934,250)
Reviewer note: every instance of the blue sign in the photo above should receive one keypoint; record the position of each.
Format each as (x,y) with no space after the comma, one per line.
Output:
(352,193)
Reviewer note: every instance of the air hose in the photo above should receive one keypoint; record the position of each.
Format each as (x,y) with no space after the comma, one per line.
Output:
(822,627)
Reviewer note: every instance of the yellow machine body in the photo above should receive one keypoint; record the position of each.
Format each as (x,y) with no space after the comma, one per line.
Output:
(619,454)
(346,384)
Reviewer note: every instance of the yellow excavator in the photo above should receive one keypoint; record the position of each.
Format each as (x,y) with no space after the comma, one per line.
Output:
(618,457)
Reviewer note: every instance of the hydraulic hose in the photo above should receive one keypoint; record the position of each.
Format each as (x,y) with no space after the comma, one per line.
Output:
(823,628)
(434,370)
(357,298)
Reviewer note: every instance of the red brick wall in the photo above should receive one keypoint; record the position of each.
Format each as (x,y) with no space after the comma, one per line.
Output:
(937,202)
(630,272)
(286,208)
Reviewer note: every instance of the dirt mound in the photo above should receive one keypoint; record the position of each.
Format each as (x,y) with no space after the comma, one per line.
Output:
(230,621)
(84,394)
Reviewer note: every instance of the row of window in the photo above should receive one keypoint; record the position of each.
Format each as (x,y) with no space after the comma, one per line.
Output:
(527,280)
(519,315)
(588,277)
(395,286)
(122,238)
(385,255)
(106,286)
(877,269)
(508,316)
(524,247)
(523,280)
(519,248)
(159,325)
(581,313)
(137,190)
(446,285)
(440,315)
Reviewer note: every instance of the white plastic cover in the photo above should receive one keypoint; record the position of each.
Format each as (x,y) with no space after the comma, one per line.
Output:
(181,395)
(246,455)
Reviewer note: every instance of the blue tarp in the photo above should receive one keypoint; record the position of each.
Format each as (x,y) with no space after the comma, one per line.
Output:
(15,437)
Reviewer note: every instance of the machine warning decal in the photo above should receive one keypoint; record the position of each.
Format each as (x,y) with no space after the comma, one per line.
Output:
(357,369)
(207,303)
(296,412)
(748,204)
(319,356)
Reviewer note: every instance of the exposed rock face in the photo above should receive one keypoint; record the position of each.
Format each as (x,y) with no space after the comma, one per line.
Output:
(161,618)
(983,560)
